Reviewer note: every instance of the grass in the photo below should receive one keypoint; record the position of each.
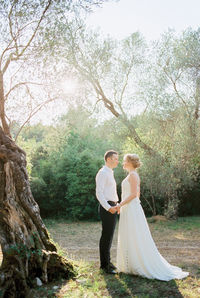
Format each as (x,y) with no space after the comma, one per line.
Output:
(182,223)
(178,241)
(90,282)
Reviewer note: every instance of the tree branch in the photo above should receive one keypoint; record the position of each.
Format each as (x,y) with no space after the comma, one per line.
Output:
(17,54)
(176,90)
(32,113)
(21,84)
(127,78)
(4,51)
(10,27)
(36,29)
(89,76)
(197,99)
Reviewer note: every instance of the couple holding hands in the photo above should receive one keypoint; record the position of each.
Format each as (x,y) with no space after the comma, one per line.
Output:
(136,251)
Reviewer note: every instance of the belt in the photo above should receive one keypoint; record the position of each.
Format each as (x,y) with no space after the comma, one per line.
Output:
(112,203)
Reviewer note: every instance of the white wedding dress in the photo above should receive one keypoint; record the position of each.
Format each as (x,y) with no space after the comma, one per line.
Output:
(136,251)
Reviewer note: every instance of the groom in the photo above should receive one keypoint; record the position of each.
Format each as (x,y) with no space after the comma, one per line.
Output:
(106,193)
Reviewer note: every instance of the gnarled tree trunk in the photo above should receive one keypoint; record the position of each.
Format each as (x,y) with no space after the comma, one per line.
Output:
(27,250)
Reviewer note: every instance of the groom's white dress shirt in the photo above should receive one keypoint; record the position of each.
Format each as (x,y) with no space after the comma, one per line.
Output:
(106,189)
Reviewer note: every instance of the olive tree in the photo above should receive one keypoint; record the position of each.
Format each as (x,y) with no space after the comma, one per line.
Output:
(170,88)
(162,82)
(28,252)
(109,69)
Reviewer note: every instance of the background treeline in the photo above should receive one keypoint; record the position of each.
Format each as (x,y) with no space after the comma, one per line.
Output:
(122,94)
(63,160)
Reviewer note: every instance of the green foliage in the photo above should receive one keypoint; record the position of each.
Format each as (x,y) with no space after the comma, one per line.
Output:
(76,169)
(166,182)
(162,80)
(64,161)
(63,176)
(168,84)
(80,196)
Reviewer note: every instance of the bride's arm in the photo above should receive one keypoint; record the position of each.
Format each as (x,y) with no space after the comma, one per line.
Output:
(133,180)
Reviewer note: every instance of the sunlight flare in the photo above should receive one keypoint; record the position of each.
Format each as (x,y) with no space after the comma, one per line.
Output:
(69,86)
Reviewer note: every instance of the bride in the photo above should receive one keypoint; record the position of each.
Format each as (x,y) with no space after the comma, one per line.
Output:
(136,251)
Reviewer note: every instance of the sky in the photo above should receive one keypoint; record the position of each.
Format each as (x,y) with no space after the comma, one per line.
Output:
(150,17)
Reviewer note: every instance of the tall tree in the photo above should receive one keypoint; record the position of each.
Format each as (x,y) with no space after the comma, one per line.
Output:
(27,250)
(170,88)
(109,67)
(124,77)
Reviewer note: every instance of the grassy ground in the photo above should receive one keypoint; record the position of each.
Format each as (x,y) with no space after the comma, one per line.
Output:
(90,282)
(178,242)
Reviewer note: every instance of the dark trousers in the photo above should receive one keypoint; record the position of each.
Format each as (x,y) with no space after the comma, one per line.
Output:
(108,227)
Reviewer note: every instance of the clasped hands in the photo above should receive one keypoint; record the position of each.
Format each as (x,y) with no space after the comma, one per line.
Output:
(115,209)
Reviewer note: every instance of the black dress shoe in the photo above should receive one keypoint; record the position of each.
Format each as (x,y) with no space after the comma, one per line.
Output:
(112,266)
(109,270)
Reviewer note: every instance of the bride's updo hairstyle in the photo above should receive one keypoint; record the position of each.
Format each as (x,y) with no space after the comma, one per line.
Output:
(133,159)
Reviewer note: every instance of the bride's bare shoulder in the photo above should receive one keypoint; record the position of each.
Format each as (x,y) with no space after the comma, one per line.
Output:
(133,175)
